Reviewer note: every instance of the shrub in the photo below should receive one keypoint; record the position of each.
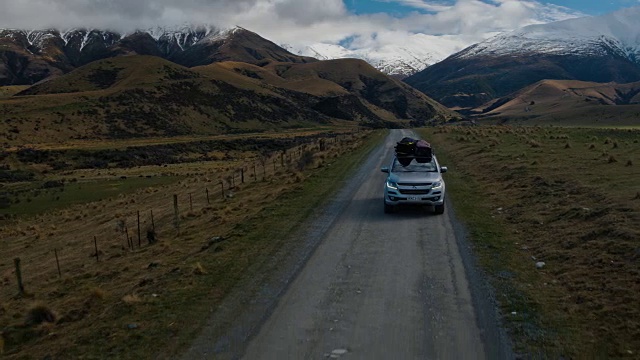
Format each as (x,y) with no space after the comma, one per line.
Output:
(39,314)
(534,144)
(53,184)
(305,160)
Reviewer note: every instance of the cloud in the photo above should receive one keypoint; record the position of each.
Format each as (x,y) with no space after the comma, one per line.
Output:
(295,22)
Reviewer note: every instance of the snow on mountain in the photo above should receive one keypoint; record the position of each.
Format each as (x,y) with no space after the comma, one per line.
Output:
(38,38)
(618,32)
(402,59)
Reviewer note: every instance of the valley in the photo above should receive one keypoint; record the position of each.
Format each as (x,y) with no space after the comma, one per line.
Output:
(180,192)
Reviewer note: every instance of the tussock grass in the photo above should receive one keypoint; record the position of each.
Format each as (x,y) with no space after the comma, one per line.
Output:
(131,299)
(198,269)
(534,143)
(39,314)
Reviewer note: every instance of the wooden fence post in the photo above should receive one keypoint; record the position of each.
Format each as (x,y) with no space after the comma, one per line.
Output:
(139,237)
(129,244)
(207,192)
(55,251)
(242,175)
(153,224)
(95,244)
(176,219)
(16,261)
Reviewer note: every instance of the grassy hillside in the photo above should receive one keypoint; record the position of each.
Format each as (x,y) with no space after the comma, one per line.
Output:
(568,102)
(7,91)
(144,96)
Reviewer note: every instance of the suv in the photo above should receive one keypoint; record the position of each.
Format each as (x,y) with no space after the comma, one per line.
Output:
(418,183)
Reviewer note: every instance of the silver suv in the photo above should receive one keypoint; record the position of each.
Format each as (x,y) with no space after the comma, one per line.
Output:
(418,183)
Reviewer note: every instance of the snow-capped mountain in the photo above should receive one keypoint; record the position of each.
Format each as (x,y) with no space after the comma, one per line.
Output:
(402,59)
(182,37)
(616,33)
(598,49)
(27,57)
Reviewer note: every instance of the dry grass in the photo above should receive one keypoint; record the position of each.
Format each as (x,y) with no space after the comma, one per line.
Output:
(158,285)
(131,299)
(577,214)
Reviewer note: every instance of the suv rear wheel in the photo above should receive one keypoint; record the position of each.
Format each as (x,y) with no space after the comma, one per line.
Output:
(439,209)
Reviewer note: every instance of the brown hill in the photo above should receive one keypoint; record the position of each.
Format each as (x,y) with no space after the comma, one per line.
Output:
(468,82)
(566,99)
(138,96)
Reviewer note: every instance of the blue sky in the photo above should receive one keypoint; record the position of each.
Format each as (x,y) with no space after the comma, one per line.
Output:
(401,8)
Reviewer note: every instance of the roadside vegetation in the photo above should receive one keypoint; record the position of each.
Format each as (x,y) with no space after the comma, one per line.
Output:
(554,216)
(98,285)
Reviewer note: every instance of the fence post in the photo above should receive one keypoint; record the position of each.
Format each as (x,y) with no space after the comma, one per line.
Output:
(55,251)
(16,261)
(190,203)
(175,212)
(126,231)
(95,244)
(222,188)
(207,192)
(153,224)
(139,237)
(242,175)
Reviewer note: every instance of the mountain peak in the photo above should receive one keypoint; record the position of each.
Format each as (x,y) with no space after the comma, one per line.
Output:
(616,33)
(57,52)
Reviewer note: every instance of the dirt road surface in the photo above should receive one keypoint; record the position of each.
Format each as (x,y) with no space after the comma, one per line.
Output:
(368,286)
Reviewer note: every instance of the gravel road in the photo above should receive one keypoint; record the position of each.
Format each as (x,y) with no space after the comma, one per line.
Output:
(370,285)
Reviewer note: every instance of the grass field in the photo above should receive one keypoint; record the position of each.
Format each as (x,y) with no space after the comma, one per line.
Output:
(568,197)
(148,301)
(6,91)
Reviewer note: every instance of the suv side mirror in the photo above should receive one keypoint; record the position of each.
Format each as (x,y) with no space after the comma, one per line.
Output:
(443,169)
(385,170)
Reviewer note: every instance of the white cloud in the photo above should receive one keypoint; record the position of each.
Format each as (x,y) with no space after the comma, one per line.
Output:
(295,22)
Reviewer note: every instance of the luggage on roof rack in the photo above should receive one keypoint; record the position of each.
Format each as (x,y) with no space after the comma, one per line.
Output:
(408,149)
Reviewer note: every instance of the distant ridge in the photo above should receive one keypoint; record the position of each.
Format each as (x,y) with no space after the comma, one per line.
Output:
(27,57)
